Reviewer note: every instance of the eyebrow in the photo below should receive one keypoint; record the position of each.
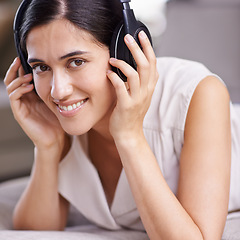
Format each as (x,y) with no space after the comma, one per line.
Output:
(71,54)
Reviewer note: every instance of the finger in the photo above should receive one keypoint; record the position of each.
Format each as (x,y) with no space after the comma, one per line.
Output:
(12,71)
(119,86)
(19,92)
(147,47)
(21,71)
(18,82)
(129,72)
(151,57)
(143,66)
(152,60)
(135,49)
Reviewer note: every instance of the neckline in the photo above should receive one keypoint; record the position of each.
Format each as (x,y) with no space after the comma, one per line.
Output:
(80,184)
(83,142)
(122,195)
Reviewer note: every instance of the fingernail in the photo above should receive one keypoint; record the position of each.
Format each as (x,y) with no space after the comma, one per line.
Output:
(142,34)
(27,75)
(129,38)
(109,71)
(112,60)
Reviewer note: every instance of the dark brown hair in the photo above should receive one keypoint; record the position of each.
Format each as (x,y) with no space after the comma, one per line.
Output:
(98,17)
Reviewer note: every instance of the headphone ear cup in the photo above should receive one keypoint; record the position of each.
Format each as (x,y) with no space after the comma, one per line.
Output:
(119,50)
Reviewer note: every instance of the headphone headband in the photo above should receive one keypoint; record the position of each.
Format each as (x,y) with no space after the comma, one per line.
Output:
(16,29)
(20,14)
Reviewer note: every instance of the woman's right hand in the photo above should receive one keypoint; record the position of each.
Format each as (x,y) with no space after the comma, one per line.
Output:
(35,118)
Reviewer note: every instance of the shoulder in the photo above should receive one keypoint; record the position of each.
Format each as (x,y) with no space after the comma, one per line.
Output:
(211,90)
(210,104)
(178,79)
(178,65)
(210,95)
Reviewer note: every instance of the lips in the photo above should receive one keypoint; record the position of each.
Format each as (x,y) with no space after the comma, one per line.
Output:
(71,107)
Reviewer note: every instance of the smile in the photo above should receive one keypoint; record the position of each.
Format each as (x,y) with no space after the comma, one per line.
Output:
(73,106)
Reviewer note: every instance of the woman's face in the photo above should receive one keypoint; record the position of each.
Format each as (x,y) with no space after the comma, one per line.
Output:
(69,70)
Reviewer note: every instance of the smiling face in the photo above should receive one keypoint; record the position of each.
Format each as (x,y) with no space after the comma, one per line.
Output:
(69,70)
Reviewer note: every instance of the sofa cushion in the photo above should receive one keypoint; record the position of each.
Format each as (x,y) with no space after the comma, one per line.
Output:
(84,233)
(232,229)
(78,227)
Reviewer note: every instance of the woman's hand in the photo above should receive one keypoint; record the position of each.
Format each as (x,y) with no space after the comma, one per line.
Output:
(43,128)
(134,98)
(35,118)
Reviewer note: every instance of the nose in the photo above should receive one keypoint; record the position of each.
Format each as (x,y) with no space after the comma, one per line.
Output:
(61,86)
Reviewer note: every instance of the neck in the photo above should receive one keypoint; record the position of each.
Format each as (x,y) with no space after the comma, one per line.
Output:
(101,129)
(104,156)
(104,143)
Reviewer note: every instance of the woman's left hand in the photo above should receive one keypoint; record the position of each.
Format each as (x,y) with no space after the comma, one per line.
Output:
(133,97)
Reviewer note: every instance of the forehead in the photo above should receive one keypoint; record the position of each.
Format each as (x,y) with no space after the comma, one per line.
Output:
(59,36)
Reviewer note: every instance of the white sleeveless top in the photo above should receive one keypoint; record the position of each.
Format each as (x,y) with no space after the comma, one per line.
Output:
(163,127)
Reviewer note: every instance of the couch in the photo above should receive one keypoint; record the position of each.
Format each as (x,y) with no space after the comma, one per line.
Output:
(78,228)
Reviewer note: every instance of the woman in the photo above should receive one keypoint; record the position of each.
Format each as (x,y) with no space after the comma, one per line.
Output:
(153,154)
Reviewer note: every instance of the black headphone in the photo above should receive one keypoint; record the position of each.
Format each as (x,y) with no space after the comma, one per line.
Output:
(129,25)
(16,29)
(118,48)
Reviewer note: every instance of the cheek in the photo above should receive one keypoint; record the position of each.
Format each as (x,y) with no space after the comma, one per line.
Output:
(103,87)
(93,79)
(106,95)
(42,88)
(100,89)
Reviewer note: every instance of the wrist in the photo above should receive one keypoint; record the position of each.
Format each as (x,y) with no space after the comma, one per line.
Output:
(48,155)
(130,140)
(131,150)
(55,151)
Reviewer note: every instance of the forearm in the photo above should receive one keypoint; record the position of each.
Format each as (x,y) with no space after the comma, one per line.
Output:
(162,214)
(41,207)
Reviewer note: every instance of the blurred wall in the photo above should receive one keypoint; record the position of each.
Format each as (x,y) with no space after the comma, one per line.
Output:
(207,31)
(7,49)
(16,150)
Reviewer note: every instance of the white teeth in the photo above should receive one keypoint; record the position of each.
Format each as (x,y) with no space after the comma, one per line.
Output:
(71,107)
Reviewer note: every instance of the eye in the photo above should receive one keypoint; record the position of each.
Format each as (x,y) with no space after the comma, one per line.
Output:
(76,63)
(40,68)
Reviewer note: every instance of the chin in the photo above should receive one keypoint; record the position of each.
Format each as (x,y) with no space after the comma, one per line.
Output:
(76,132)
(79,130)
